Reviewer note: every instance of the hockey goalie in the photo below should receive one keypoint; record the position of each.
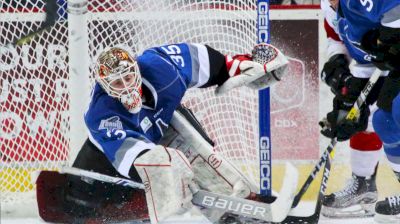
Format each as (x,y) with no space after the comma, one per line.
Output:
(139,130)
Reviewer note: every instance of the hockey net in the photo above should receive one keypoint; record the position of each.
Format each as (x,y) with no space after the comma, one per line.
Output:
(35,101)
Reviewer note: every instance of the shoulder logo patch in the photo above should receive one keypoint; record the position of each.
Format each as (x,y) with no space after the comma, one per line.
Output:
(111,124)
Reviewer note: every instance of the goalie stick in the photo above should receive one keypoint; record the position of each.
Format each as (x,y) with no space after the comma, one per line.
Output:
(274,212)
(51,8)
(352,115)
(313,218)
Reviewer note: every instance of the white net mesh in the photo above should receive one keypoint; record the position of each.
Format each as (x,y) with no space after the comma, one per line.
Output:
(34,77)
(33,98)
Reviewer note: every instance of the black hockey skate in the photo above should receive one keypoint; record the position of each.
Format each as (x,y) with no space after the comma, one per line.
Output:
(357,199)
(388,210)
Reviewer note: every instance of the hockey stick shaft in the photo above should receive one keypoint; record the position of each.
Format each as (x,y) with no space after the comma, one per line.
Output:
(101,177)
(315,216)
(314,172)
(355,110)
(51,8)
(352,115)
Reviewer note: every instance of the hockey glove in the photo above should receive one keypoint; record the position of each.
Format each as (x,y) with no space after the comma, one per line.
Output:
(335,124)
(383,44)
(263,68)
(335,72)
(389,90)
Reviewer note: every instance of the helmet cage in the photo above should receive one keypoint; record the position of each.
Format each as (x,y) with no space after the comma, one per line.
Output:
(119,76)
(121,80)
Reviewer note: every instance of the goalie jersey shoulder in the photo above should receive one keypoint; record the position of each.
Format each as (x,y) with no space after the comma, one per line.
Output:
(190,61)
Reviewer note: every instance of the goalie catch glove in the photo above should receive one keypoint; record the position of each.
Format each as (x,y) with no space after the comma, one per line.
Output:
(263,68)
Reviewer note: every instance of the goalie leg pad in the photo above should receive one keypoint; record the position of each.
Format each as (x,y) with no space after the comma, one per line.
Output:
(166,174)
(211,171)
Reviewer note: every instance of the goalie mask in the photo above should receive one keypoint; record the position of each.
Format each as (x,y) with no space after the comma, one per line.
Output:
(119,75)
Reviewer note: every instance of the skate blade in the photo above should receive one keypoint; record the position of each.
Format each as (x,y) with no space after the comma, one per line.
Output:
(354,211)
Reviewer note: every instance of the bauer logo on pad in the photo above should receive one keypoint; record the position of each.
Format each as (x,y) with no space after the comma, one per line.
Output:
(145,124)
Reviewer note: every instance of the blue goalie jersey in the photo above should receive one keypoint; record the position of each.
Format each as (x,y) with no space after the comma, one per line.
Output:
(167,72)
(360,17)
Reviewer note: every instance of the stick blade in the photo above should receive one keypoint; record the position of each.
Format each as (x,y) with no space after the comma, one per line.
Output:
(283,204)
